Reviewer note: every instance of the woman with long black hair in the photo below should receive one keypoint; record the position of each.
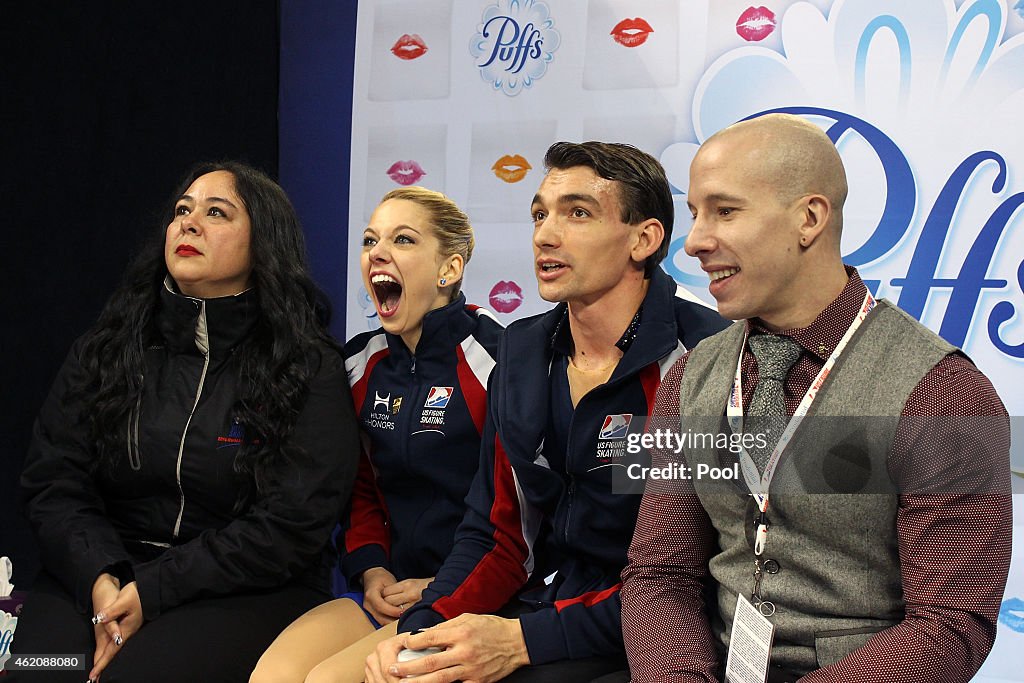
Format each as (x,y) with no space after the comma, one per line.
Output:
(195,451)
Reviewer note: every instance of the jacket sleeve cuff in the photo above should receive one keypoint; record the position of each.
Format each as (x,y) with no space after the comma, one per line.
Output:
(418,618)
(147,582)
(544,636)
(353,564)
(93,567)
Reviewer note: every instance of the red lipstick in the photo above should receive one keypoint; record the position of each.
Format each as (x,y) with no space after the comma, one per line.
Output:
(631,32)
(409,47)
(187,250)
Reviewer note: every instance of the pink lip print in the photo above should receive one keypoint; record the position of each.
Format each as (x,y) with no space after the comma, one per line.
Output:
(405,172)
(505,296)
(756,23)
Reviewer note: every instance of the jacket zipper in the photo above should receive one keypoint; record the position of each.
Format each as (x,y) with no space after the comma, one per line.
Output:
(569,450)
(181,444)
(134,452)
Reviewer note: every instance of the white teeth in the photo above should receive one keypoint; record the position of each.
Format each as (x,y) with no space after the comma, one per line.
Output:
(719,274)
(377,279)
(550,266)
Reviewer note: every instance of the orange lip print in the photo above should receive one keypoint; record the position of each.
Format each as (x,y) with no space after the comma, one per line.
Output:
(511,168)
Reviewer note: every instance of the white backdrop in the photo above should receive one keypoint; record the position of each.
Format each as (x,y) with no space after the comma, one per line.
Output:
(924,98)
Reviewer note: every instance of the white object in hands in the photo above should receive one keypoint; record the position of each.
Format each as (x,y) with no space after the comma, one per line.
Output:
(412,655)
(6,570)
(408,655)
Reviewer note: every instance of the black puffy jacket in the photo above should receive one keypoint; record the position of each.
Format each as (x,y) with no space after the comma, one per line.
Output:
(165,513)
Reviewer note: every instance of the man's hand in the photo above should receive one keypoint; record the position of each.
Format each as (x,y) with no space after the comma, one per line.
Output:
(116,622)
(380,661)
(476,649)
(405,594)
(375,581)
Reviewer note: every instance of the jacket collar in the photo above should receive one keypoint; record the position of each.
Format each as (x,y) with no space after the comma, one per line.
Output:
(650,335)
(443,328)
(213,326)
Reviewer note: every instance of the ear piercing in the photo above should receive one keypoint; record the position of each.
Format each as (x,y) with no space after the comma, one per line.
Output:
(442,282)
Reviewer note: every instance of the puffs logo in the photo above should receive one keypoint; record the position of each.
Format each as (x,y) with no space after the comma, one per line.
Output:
(409,47)
(514,43)
(615,426)
(631,32)
(511,168)
(438,397)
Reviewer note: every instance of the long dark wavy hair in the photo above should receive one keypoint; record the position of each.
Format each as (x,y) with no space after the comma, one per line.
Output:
(274,360)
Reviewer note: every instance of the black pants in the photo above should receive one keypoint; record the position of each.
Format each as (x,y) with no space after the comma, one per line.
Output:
(211,640)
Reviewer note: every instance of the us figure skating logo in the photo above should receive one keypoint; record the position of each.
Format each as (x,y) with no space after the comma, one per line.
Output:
(514,43)
(438,397)
(615,427)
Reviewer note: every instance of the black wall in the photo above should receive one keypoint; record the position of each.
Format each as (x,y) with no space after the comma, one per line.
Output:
(104,105)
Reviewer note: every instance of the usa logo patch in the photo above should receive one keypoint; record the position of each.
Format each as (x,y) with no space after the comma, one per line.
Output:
(615,426)
(438,397)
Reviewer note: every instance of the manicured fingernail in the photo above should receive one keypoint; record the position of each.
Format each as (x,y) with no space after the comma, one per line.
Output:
(393,670)
(98,619)
(118,639)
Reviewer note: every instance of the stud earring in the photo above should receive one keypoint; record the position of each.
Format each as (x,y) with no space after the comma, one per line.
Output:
(442,282)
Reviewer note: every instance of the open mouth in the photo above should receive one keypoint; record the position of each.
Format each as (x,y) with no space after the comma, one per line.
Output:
(386,292)
(721,275)
(631,32)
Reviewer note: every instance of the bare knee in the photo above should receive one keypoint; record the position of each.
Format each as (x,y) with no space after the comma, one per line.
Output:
(276,669)
(330,672)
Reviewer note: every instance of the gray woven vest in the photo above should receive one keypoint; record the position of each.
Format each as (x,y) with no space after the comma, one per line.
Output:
(832,505)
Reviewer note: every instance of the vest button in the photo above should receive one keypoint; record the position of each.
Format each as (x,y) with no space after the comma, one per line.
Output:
(771,567)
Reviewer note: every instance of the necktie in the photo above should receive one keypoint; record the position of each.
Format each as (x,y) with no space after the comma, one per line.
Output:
(775,356)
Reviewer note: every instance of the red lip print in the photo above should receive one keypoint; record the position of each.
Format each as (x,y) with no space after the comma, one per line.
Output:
(511,168)
(505,296)
(756,23)
(405,172)
(631,32)
(409,47)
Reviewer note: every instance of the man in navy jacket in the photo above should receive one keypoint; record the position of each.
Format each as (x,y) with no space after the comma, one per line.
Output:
(531,585)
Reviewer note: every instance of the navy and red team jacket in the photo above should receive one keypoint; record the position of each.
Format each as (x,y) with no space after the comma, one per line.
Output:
(421,416)
(557,540)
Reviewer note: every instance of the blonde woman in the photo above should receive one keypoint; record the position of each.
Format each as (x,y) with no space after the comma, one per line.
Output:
(419,389)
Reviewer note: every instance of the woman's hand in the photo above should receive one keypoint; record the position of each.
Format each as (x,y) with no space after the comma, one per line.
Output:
(375,581)
(104,592)
(115,623)
(407,593)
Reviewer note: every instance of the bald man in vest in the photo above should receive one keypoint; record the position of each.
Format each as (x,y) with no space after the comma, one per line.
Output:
(868,531)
